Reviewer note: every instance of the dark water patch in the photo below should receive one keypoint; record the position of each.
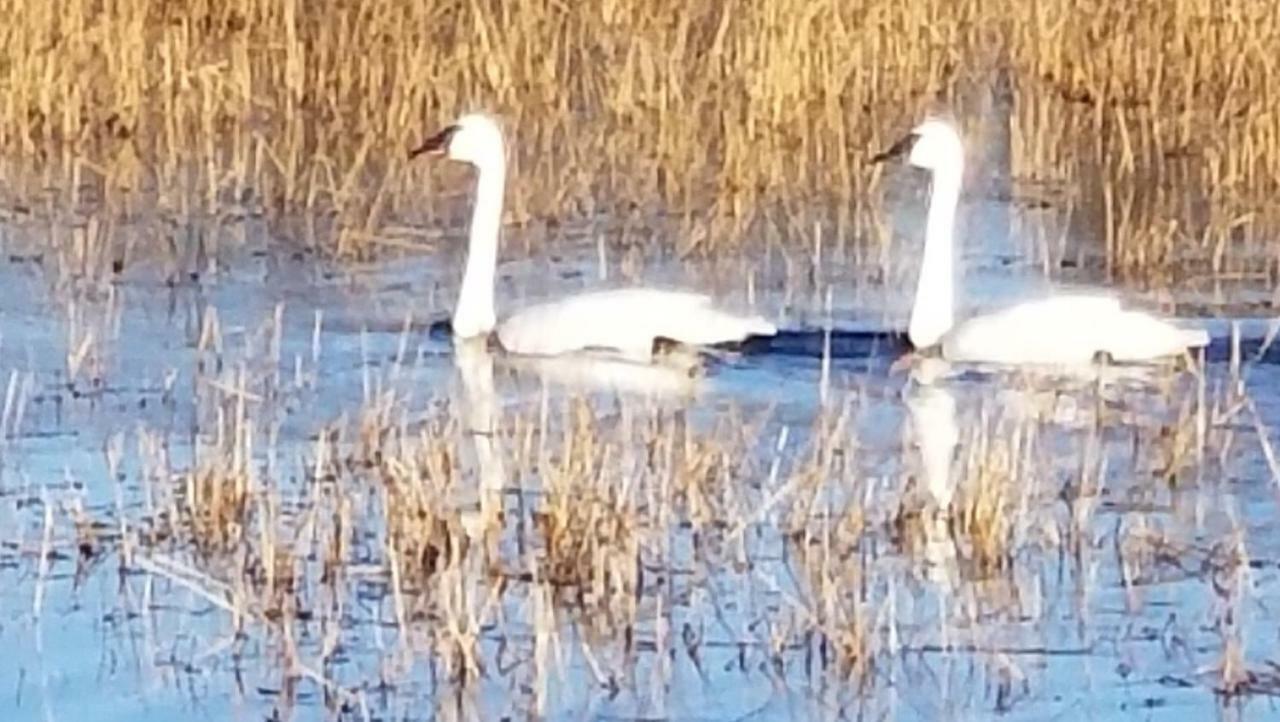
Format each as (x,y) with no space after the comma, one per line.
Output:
(836,344)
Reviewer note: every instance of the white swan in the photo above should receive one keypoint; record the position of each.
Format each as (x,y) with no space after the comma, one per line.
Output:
(628,321)
(1065,329)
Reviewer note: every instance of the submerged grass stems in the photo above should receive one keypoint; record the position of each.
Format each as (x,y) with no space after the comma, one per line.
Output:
(1146,129)
(531,541)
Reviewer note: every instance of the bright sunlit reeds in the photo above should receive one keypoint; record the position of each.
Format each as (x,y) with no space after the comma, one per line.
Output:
(1147,129)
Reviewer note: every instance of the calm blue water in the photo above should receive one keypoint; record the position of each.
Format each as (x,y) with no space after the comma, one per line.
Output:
(1138,511)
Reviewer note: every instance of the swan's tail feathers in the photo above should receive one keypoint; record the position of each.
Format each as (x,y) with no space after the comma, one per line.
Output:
(728,327)
(1139,336)
(759,326)
(1195,337)
(702,324)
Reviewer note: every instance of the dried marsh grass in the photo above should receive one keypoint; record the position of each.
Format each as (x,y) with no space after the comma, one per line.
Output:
(1149,126)
(630,546)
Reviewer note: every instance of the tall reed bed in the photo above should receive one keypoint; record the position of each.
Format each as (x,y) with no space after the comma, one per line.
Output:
(1155,119)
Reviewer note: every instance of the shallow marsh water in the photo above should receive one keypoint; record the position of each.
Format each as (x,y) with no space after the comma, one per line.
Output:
(763,539)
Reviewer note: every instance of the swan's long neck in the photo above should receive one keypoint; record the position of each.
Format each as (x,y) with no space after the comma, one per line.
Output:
(933,313)
(474,314)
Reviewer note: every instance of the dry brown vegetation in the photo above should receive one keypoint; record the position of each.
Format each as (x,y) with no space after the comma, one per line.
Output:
(523,542)
(494,539)
(1149,127)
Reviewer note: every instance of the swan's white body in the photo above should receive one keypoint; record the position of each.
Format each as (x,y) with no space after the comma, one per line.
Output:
(628,321)
(625,320)
(1065,329)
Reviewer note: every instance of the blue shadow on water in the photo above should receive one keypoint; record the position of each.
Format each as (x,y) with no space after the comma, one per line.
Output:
(838,344)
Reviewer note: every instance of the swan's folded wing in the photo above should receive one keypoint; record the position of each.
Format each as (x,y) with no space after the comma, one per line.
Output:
(1132,335)
(1139,336)
(1068,329)
(1054,330)
(626,320)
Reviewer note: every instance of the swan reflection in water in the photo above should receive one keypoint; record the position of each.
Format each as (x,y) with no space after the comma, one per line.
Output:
(931,410)
(480,418)
(676,377)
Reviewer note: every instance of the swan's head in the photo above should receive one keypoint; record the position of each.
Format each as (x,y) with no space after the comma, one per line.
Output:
(934,145)
(474,138)
(937,146)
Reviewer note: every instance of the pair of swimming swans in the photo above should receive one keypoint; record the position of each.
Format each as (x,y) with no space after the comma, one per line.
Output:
(1064,329)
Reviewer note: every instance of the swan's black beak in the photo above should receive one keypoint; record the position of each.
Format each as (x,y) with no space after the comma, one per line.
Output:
(436,144)
(899,148)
